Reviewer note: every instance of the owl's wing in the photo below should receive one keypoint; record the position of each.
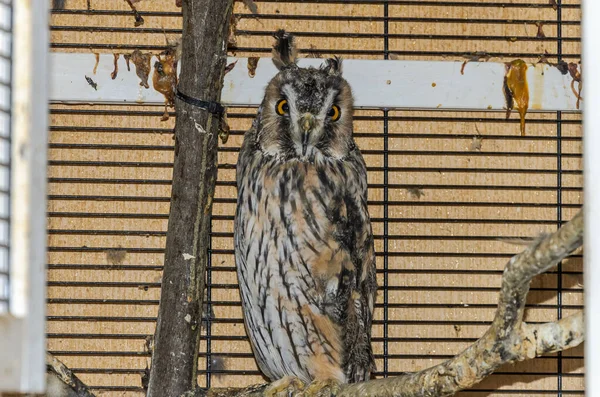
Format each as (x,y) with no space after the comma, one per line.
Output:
(357,238)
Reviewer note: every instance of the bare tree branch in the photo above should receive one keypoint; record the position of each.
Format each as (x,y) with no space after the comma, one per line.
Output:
(552,337)
(66,376)
(507,340)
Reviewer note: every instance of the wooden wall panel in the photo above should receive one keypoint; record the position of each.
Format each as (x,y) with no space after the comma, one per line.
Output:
(461,188)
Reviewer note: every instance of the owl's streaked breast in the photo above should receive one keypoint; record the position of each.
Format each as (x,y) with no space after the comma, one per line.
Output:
(290,260)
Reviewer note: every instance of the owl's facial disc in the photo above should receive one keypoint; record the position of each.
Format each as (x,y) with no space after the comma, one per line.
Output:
(306,115)
(307,123)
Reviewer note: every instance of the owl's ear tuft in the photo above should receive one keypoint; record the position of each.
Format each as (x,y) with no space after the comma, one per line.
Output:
(284,50)
(333,66)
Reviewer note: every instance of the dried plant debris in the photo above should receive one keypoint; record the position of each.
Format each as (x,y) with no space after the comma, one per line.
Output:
(553,4)
(97,62)
(116,256)
(251,5)
(91,82)
(142,66)
(478,56)
(230,67)
(175,47)
(232,35)
(540,30)
(252,65)
(149,344)
(145,378)
(178,3)
(313,53)
(516,90)
(115,71)
(475,144)
(164,78)
(139,21)
(415,192)
(58,4)
(576,76)
(224,128)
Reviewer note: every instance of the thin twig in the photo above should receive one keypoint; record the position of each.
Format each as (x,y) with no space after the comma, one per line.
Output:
(65,375)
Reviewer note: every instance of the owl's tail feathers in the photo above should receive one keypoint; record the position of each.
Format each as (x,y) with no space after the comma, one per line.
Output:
(284,50)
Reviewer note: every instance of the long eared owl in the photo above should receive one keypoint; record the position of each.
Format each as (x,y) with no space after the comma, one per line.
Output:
(303,240)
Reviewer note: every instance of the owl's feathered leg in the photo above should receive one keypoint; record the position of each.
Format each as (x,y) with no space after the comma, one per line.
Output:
(286,386)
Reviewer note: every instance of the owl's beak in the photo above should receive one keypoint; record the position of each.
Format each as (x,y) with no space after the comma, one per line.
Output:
(307,122)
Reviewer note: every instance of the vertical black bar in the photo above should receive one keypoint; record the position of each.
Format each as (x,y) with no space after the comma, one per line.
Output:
(559,367)
(385,201)
(208,312)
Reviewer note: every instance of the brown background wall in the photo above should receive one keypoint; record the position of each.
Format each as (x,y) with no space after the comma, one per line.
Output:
(447,201)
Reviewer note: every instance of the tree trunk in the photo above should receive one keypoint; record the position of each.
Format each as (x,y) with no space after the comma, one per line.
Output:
(177,337)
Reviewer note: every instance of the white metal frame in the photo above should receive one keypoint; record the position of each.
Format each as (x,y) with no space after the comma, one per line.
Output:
(22,331)
(376,84)
(591,173)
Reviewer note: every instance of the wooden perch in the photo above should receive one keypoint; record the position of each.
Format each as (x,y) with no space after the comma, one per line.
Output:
(507,340)
(177,337)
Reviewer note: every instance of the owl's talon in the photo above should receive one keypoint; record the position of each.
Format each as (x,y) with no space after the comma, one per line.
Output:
(284,387)
(322,388)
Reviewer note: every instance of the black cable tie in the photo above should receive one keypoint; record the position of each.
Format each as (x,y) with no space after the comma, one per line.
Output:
(212,107)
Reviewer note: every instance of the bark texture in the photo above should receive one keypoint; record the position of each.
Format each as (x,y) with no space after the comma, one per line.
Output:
(507,340)
(175,355)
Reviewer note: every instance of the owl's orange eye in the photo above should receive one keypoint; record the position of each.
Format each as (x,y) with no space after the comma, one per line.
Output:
(282,107)
(334,113)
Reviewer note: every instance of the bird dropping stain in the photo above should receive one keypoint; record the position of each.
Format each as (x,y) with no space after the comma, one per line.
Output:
(576,76)
(116,256)
(516,90)
(97,55)
(127,60)
(115,71)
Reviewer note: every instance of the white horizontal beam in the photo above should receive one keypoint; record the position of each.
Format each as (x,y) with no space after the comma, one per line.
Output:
(376,84)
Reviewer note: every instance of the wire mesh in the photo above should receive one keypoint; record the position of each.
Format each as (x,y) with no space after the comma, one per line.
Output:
(443,188)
